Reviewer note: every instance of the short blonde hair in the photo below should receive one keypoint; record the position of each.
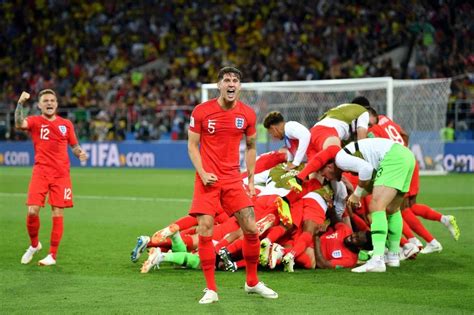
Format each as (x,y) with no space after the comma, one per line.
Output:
(46,91)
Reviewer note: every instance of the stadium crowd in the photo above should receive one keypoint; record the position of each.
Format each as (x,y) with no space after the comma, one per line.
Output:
(89,52)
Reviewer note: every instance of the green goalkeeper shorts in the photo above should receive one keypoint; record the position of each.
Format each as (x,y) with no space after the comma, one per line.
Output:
(396,168)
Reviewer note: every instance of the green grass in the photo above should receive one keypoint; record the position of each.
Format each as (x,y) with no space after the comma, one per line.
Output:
(94,273)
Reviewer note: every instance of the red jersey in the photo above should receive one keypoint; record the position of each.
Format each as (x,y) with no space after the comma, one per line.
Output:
(221,131)
(387,128)
(50,140)
(333,248)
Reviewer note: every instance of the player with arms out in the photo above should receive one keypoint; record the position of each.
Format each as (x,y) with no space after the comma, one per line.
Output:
(215,130)
(51,135)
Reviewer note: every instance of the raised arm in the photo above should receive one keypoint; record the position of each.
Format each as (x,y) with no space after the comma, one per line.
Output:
(20,121)
(250,157)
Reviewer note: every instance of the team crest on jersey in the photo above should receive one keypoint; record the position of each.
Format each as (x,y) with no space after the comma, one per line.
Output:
(336,254)
(62,129)
(239,122)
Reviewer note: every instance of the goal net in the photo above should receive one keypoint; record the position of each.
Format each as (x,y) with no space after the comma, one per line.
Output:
(418,106)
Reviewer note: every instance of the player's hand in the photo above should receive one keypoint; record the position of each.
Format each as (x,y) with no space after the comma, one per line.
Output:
(353,201)
(23,97)
(251,187)
(208,179)
(83,156)
(289,166)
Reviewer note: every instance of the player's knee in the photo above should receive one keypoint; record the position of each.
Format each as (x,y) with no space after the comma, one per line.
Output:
(33,210)
(57,212)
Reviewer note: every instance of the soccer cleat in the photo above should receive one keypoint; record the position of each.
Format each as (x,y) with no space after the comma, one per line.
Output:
(288,262)
(276,254)
(155,257)
(142,242)
(262,290)
(375,264)
(409,250)
(265,223)
(284,212)
(265,247)
(417,242)
(162,234)
(432,247)
(47,261)
(296,184)
(227,260)
(392,259)
(30,252)
(209,297)
(453,227)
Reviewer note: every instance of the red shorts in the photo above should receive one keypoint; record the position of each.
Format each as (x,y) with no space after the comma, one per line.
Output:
(207,199)
(58,188)
(415,182)
(319,134)
(313,211)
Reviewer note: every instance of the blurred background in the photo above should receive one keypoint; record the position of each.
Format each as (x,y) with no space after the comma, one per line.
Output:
(132,70)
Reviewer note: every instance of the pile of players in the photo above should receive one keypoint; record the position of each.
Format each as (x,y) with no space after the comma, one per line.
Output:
(350,204)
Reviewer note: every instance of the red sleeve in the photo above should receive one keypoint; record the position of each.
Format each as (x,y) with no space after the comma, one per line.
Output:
(195,120)
(252,120)
(72,135)
(32,122)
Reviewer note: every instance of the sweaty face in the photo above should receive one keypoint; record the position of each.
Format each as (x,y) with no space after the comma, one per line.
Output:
(48,105)
(357,239)
(229,87)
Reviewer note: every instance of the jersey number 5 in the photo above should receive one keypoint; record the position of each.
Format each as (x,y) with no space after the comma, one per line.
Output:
(211,126)
(44,133)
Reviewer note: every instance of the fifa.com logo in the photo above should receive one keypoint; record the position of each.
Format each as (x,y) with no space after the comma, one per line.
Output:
(107,154)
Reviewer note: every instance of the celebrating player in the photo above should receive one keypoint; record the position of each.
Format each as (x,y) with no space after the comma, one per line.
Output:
(296,137)
(390,166)
(50,135)
(215,130)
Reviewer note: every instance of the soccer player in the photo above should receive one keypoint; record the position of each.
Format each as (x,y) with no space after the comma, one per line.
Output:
(296,137)
(389,165)
(215,130)
(341,123)
(51,135)
(384,127)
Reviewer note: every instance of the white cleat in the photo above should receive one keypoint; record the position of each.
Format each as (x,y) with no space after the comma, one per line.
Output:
(276,254)
(265,247)
(262,290)
(209,297)
(155,257)
(375,264)
(288,262)
(417,242)
(47,261)
(163,234)
(30,252)
(137,251)
(408,250)
(452,226)
(432,247)
(392,259)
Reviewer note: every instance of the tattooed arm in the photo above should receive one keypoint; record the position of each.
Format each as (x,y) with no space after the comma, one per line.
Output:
(250,158)
(79,153)
(20,121)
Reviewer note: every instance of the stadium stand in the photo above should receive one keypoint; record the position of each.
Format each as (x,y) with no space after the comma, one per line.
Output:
(89,52)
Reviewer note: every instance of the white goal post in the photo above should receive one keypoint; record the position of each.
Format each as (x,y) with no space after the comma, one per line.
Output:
(419,106)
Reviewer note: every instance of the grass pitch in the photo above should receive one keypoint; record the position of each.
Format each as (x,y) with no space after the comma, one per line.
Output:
(113,206)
